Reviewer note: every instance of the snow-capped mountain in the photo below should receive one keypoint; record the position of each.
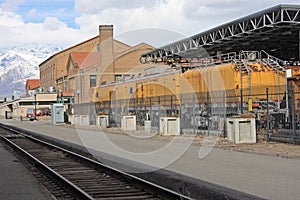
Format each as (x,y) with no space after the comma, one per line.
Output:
(20,63)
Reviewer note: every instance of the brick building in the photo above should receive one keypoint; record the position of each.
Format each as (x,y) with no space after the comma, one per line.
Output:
(31,85)
(75,71)
(55,67)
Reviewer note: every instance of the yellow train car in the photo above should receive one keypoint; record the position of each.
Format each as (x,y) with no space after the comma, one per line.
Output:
(199,80)
(138,87)
(227,78)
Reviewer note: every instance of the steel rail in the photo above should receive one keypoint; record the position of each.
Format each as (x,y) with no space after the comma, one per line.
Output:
(73,189)
(78,192)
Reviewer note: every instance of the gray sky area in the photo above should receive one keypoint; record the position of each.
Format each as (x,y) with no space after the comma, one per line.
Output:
(157,22)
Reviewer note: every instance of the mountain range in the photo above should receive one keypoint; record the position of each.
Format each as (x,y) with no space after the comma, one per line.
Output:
(17,64)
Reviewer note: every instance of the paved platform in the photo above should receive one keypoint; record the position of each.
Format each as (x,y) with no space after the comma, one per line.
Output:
(16,182)
(264,176)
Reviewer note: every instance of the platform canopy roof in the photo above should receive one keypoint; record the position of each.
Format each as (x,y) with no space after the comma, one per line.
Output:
(275,30)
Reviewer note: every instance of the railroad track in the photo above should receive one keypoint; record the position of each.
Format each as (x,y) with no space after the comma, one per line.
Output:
(81,177)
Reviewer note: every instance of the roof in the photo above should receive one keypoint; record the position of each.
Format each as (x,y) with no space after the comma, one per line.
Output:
(32,84)
(68,93)
(275,30)
(85,59)
(136,47)
(88,59)
(118,47)
(67,49)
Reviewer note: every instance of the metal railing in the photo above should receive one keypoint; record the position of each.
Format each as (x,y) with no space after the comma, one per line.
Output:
(273,62)
(276,119)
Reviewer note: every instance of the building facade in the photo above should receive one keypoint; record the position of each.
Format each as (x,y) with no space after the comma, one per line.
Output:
(31,85)
(74,72)
(54,69)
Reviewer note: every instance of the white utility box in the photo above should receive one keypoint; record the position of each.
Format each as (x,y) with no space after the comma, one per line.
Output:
(57,113)
(84,120)
(169,126)
(241,130)
(128,123)
(102,121)
(76,120)
(147,126)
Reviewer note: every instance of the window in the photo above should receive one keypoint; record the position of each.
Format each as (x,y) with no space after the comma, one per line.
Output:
(118,77)
(126,76)
(93,80)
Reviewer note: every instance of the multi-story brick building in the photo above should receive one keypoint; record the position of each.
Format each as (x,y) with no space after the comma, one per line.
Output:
(75,71)
(52,69)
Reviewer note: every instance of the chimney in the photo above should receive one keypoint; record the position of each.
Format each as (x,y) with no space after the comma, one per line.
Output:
(105,32)
(105,46)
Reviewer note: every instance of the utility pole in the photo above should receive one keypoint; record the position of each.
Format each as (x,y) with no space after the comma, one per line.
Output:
(34,106)
(63,79)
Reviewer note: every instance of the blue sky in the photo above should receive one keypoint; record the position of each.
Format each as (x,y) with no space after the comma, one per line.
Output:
(157,22)
(36,11)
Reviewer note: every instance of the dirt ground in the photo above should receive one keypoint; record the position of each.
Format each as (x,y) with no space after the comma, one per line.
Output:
(262,147)
(272,148)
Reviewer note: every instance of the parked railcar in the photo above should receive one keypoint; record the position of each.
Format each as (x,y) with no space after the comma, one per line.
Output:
(214,89)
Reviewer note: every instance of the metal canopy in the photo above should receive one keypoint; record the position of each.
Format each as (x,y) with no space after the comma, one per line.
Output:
(275,30)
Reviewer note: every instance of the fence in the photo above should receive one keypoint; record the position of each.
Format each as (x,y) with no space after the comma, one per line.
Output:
(277,111)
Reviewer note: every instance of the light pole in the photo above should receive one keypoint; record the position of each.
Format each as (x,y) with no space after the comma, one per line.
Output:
(63,79)
(34,106)
(78,93)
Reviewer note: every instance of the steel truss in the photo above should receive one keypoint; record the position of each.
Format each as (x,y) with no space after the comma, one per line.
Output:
(261,24)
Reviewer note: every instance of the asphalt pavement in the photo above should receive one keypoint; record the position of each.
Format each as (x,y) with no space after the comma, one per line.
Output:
(16,182)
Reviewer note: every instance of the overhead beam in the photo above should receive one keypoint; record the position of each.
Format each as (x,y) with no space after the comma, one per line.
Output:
(257,23)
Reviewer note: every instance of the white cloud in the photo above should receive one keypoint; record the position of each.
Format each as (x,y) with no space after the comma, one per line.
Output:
(14,31)
(9,19)
(153,36)
(136,15)
(96,6)
(186,16)
(11,5)
(182,17)
(163,15)
(53,24)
